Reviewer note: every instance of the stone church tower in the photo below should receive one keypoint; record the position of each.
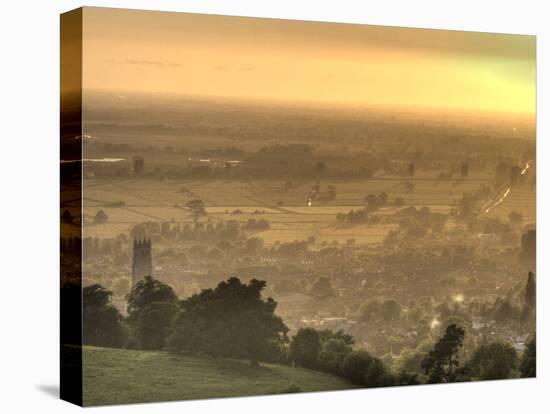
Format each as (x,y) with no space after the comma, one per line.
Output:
(142,262)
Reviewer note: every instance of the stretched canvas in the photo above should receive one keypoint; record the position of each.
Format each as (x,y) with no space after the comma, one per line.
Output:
(261,206)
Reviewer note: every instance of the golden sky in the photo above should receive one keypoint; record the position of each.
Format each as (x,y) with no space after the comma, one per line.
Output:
(307,61)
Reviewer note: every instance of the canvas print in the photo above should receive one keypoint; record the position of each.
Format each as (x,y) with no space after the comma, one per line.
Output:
(261,206)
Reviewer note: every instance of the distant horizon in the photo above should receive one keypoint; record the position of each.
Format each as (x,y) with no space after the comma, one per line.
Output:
(310,104)
(437,114)
(318,63)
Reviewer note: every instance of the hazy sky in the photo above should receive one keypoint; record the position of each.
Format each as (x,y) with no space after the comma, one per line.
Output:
(307,61)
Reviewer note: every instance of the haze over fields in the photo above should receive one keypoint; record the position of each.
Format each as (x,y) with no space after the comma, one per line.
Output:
(380,181)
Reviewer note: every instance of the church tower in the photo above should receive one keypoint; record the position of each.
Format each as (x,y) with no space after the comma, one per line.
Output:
(142,262)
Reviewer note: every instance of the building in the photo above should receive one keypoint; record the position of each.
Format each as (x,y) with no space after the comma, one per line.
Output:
(142,262)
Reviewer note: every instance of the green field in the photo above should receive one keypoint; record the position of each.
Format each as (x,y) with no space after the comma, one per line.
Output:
(117,376)
(290,218)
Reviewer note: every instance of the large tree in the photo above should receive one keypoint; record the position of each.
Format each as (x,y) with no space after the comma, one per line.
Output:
(232,320)
(102,322)
(336,348)
(151,312)
(363,369)
(324,350)
(305,347)
(155,324)
(496,360)
(146,292)
(441,363)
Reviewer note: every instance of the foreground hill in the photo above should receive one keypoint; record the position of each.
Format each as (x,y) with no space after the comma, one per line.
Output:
(117,376)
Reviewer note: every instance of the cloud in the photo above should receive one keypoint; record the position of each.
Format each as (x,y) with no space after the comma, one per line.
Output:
(146,63)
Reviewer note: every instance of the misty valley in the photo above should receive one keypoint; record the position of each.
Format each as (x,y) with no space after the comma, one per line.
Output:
(380,245)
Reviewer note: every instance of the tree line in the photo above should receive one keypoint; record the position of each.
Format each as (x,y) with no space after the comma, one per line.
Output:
(234,320)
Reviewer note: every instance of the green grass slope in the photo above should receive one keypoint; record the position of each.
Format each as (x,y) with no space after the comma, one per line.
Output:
(117,376)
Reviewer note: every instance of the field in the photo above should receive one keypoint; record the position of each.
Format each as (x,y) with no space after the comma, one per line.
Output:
(115,376)
(148,199)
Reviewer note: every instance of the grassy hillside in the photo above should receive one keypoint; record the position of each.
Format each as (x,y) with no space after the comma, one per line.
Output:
(115,376)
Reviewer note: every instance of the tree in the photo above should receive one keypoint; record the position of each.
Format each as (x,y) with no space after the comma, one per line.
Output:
(305,347)
(382,199)
(232,320)
(138,165)
(530,291)
(335,350)
(371,200)
(320,167)
(146,292)
(197,207)
(322,288)
(504,311)
(528,364)
(378,375)
(331,190)
(464,170)
(254,245)
(440,364)
(363,369)
(390,310)
(529,244)
(356,365)
(496,360)
(411,360)
(102,322)
(370,311)
(101,217)
(155,324)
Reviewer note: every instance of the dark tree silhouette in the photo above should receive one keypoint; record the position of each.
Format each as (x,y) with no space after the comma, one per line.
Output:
(305,347)
(146,292)
(102,322)
(440,364)
(155,324)
(531,291)
(231,320)
(101,217)
(363,369)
